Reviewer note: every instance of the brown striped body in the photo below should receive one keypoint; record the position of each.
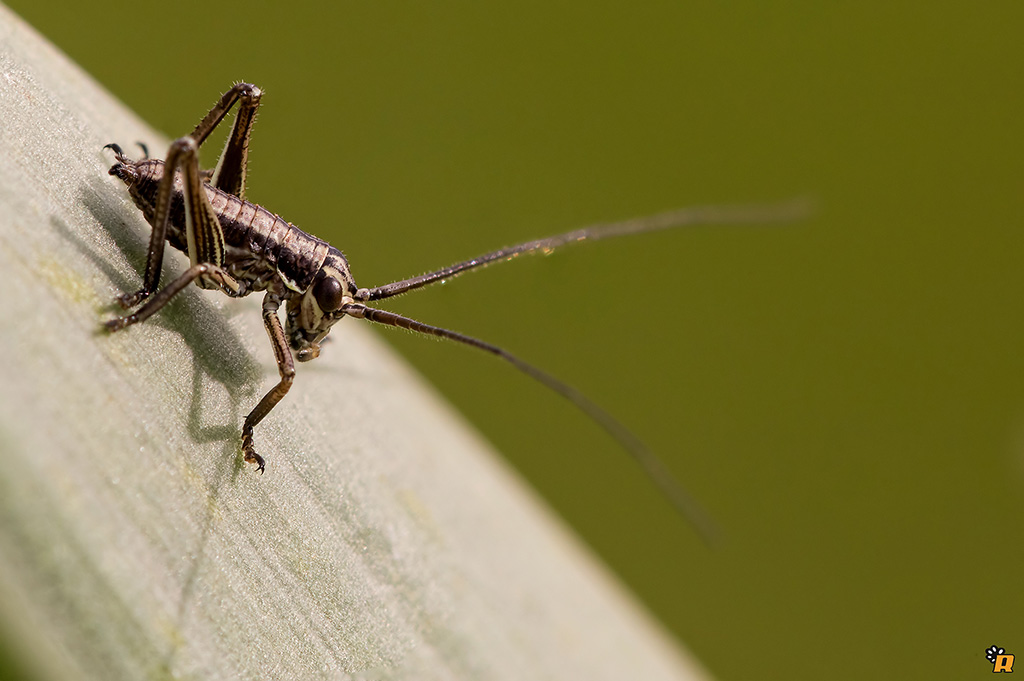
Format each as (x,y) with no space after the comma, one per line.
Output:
(260,247)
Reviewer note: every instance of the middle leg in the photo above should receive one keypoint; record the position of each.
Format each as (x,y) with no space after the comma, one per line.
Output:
(164,296)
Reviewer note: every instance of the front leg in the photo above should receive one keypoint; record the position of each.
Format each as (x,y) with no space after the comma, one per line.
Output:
(285,366)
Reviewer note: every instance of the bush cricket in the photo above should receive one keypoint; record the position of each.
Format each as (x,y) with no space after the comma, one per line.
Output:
(239,247)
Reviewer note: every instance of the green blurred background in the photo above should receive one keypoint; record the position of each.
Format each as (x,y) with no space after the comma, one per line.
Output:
(845,396)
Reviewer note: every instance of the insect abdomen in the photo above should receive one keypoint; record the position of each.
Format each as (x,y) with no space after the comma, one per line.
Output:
(296,255)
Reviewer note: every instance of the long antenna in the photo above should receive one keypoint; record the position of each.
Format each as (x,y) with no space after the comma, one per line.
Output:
(651,465)
(684,217)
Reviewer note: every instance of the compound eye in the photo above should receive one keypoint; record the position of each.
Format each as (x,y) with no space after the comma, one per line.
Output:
(327,292)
